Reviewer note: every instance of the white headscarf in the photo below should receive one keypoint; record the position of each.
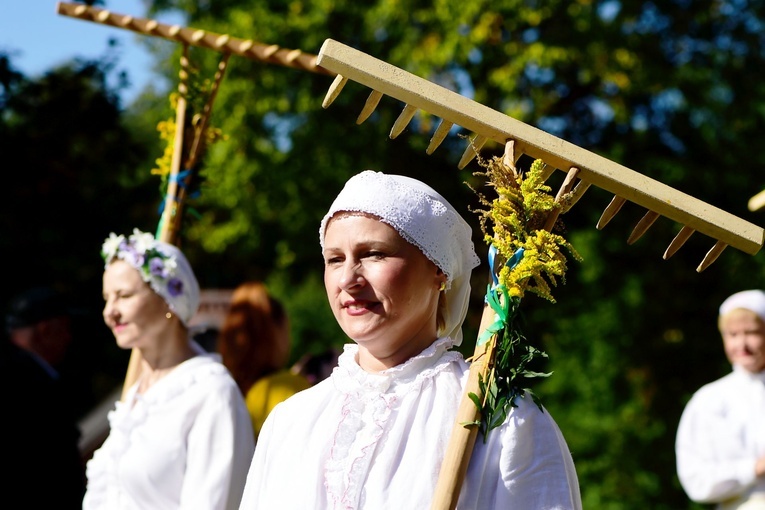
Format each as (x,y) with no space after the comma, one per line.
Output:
(423,218)
(753,300)
(161,265)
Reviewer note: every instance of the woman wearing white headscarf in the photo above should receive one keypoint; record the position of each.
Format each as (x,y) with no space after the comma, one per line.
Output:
(398,259)
(720,444)
(182,437)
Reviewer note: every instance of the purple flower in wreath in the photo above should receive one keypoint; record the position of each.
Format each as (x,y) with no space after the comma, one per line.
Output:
(157,267)
(131,256)
(175,287)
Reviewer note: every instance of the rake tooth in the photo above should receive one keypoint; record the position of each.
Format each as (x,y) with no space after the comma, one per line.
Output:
(509,158)
(575,195)
(678,241)
(334,90)
(151,26)
(441,131)
(222,41)
(369,106)
(80,10)
(616,203)
(270,51)
(246,45)
(102,16)
(711,255)
(471,151)
(173,31)
(293,55)
(127,21)
(198,36)
(642,226)
(403,120)
(547,171)
(757,202)
(568,184)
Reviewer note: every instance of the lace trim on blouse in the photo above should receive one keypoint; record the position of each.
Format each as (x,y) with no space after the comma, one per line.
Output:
(369,400)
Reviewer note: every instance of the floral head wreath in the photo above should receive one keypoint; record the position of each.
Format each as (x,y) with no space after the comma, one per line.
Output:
(161,265)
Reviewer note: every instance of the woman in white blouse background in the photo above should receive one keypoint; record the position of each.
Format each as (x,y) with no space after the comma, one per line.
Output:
(397,264)
(720,444)
(182,437)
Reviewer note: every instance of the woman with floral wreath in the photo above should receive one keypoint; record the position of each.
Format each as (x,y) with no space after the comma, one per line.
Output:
(181,437)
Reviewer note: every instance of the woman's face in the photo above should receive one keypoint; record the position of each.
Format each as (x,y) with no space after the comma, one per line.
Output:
(743,334)
(132,310)
(382,290)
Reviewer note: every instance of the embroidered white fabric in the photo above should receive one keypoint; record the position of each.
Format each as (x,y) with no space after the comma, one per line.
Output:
(424,218)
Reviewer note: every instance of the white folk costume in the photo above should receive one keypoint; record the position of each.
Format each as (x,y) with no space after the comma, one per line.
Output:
(375,441)
(720,436)
(184,444)
(721,433)
(361,440)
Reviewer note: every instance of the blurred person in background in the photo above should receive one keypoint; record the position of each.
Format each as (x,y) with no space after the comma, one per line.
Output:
(181,437)
(43,464)
(39,321)
(254,344)
(720,444)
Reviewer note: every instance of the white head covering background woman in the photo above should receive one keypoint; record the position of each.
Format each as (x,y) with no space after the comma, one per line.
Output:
(162,265)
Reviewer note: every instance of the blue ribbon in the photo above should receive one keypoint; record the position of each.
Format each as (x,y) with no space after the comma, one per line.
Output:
(493,295)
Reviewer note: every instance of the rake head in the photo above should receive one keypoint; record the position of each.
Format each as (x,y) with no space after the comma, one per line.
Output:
(583,168)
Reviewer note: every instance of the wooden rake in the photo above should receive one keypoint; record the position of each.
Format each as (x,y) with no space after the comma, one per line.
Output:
(583,169)
(189,142)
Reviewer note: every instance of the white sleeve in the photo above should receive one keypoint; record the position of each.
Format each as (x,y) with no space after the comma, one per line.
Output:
(706,473)
(220,447)
(259,460)
(536,469)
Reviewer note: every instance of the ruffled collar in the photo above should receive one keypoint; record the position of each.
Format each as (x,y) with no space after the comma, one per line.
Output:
(349,377)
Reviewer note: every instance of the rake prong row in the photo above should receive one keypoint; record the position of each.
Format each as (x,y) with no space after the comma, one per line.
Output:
(488,124)
(223,43)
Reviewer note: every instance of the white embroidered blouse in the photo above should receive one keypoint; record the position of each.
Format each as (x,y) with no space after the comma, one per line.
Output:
(186,443)
(375,441)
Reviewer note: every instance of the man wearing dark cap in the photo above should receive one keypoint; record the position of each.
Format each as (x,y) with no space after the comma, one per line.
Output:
(39,321)
(41,453)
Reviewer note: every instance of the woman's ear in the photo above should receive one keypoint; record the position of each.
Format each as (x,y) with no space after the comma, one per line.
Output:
(440,279)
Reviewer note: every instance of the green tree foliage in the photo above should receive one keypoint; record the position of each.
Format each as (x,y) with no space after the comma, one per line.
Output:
(69,167)
(668,89)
